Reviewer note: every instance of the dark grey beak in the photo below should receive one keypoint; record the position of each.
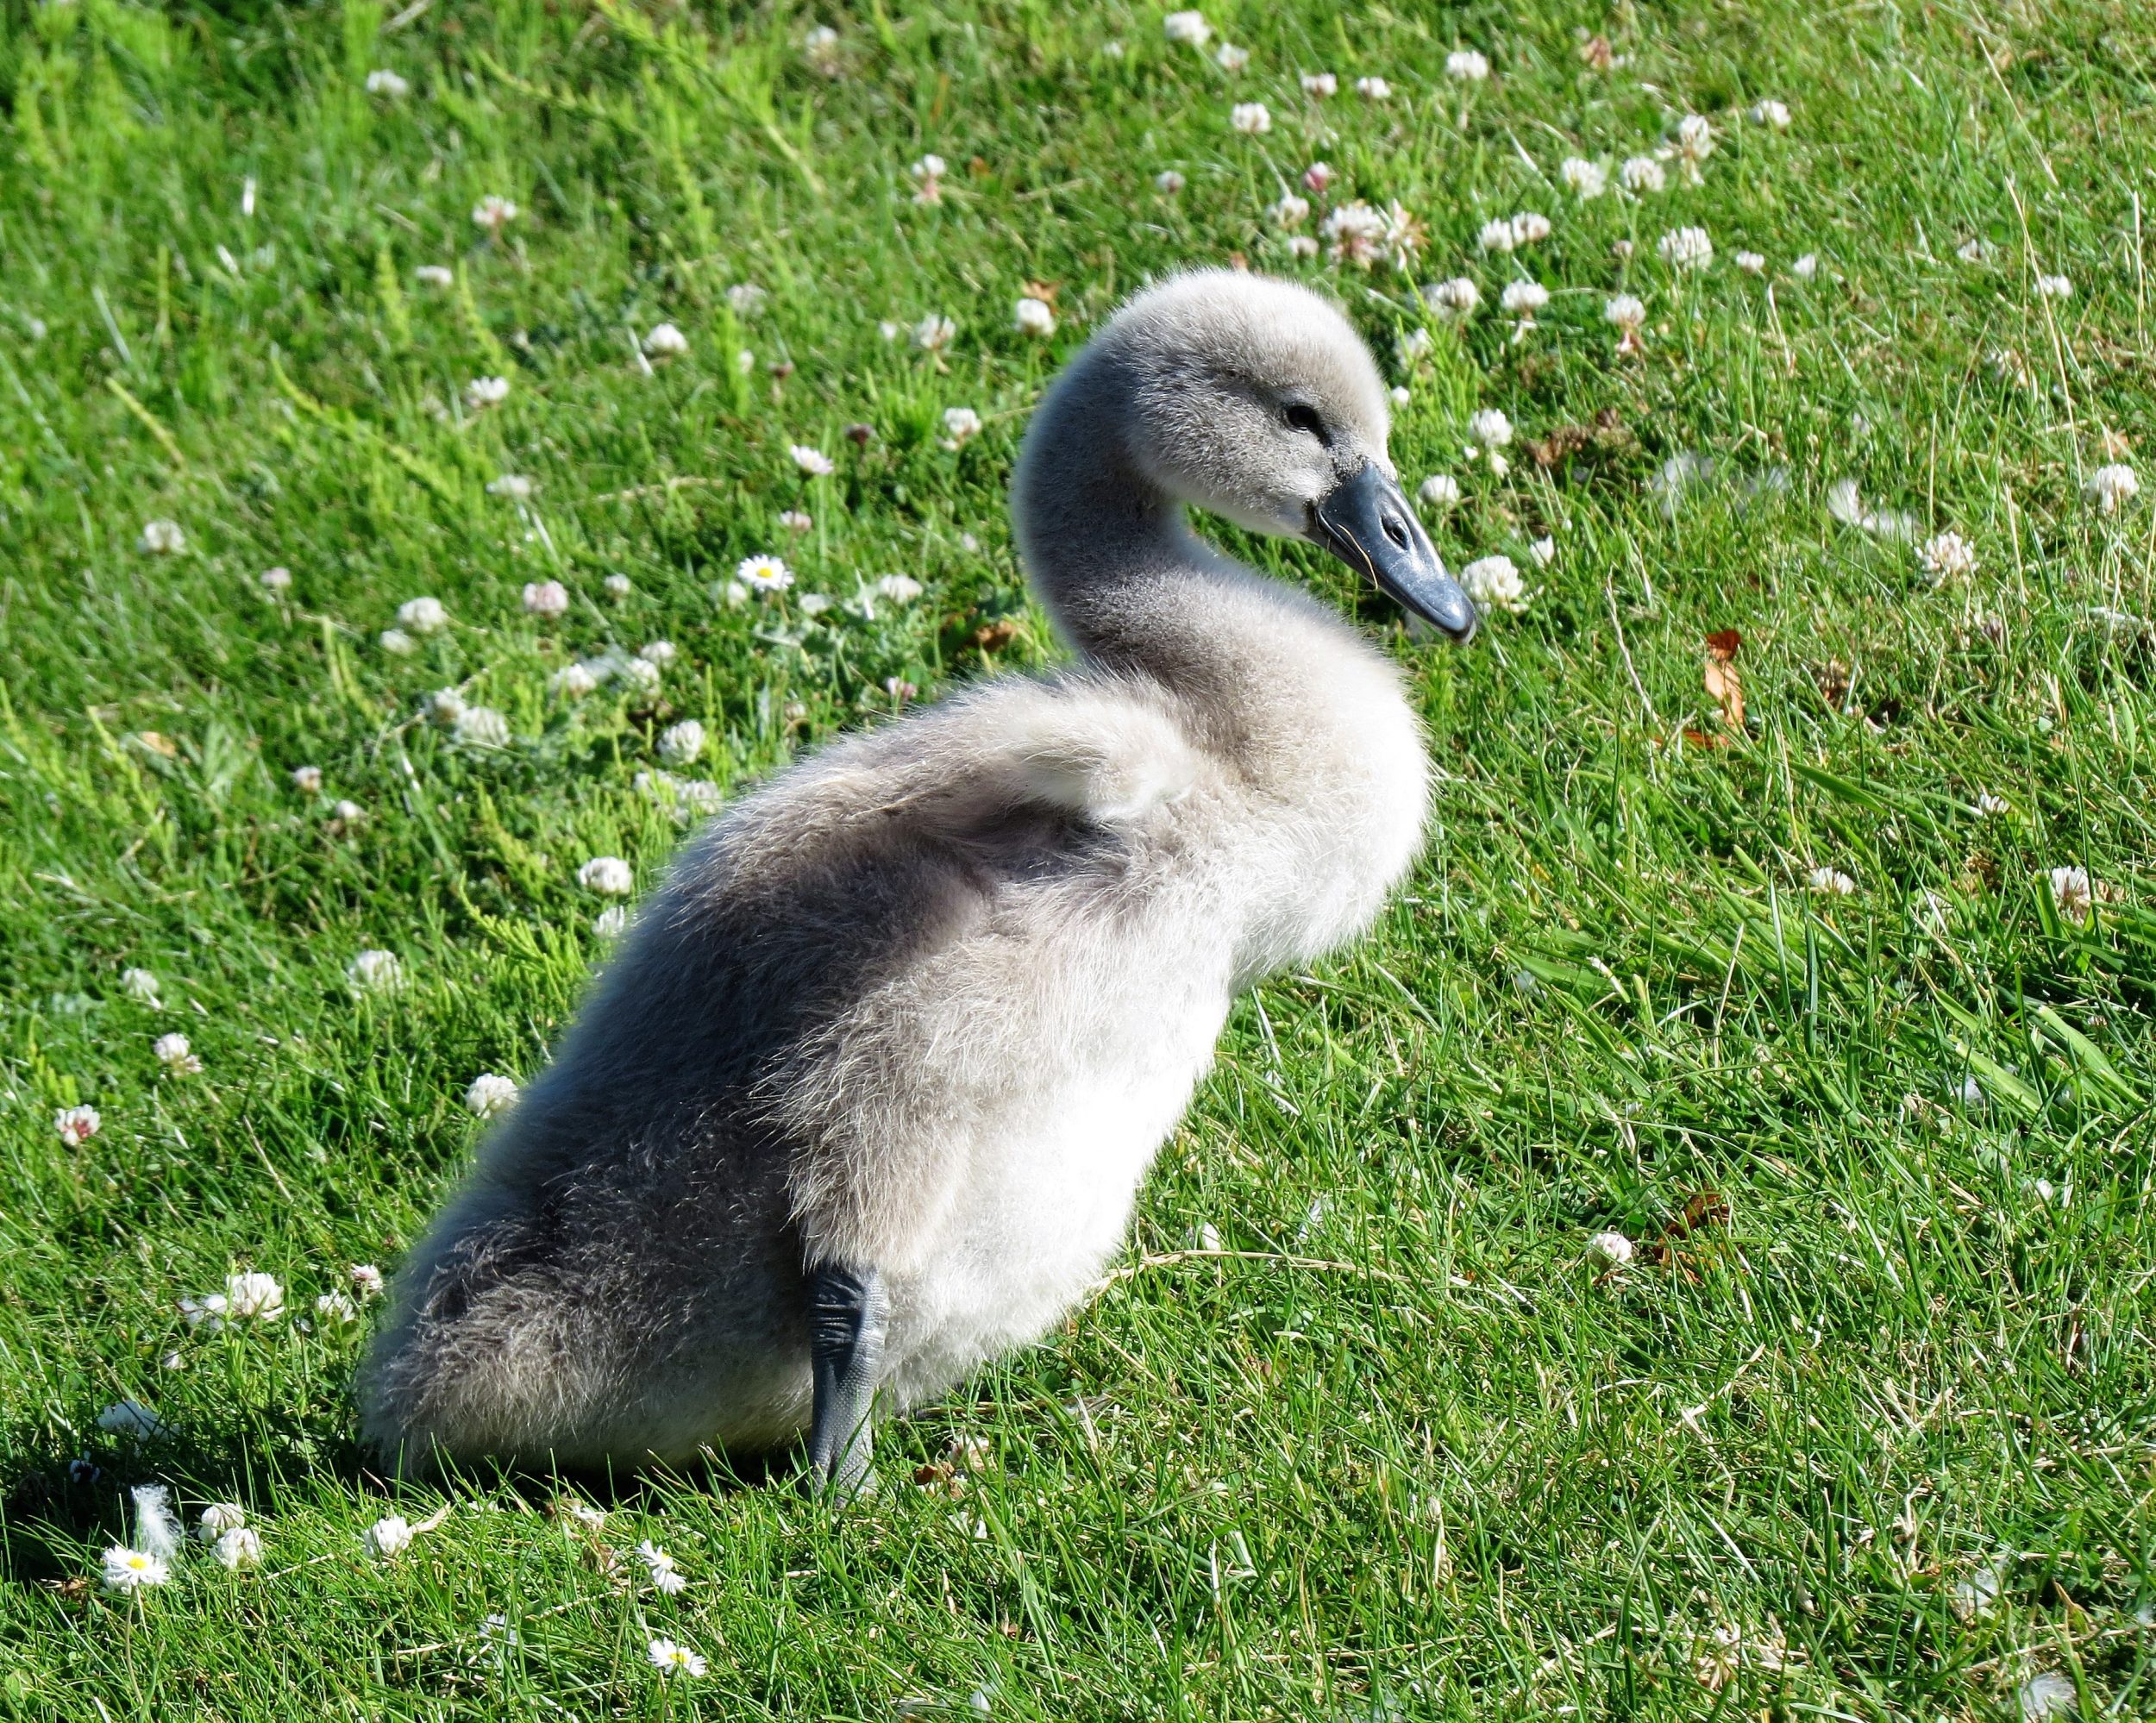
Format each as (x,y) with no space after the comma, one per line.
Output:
(1366,522)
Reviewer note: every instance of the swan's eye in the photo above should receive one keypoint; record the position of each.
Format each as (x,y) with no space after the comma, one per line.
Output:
(1302,417)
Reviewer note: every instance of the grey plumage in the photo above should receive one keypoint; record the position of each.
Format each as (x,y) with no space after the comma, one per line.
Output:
(921,1009)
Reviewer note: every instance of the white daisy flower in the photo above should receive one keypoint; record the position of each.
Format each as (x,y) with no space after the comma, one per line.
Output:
(813,462)
(1806,266)
(489,1095)
(1694,143)
(128,1569)
(764,573)
(668,1658)
(1355,233)
(1993,808)
(1524,299)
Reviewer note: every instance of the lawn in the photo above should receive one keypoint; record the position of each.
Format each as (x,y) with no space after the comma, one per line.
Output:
(1790,907)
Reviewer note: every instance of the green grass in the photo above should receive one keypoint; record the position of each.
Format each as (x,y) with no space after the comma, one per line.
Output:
(1397,1450)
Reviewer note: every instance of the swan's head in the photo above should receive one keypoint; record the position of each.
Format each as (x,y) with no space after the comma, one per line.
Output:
(1255,398)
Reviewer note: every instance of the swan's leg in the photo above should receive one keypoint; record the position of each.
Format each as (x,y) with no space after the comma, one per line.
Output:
(850,1316)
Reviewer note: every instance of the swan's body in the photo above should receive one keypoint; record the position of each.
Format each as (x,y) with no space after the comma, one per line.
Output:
(919,1013)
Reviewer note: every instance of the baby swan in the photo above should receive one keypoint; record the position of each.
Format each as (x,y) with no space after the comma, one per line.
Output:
(866,1096)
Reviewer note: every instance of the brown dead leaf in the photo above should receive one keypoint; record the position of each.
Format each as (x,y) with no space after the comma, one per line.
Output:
(158,744)
(1832,679)
(1604,439)
(1701,1209)
(1723,686)
(1042,291)
(995,636)
(1597,53)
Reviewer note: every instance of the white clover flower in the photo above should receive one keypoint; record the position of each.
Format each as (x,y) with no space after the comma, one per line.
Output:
(745,298)
(545,597)
(1544,550)
(388,1537)
(1490,428)
(668,1658)
(1830,882)
(434,275)
(1686,248)
(934,333)
(481,727)
(1642,173)
(1232,58)
(217,1519)
(1494,583)
(307,780)
(347,811)
(421,616)
(1167,182)
(1317,177)
(489,1094)
(1806,266)
(680,743)
(640,674)
(127,1569)
(482,392)
(1301,245)
(1354,231)
(611,924)
(1454,299)
(574,681)
(253,1297)
(899,589)
(1399,395)
(366,1280)
(1973,251)
(660,653)
(1609,1250)
(1524,299)
(241,1547)
(275,579)
(1440,491)
(162,538)
(494,213)
(618,587)
(730,593)
(1694,142)
(396,643)
(133,1419)
(2109,486)
(1321,85)
(764,573)
(1189,27)
(1752,262)
(1290,212)
(1529,227)
(513,486)
(2048,1693)
(374,972)
(172,1052)
(1467,65)
(608,876)
(2055,287)
(1251,118)
(1031,316)
(960,423)
(1989,806)
(813,462)
(1373,89)
(1585,179)
(77,1124)
(2072,892)
(383,82)
(1495,236)
(1775,115)
(139,983)
(336,1310)
(1949,557)
(820,48)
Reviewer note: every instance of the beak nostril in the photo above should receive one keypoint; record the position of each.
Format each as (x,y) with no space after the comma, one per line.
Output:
(1395,532)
